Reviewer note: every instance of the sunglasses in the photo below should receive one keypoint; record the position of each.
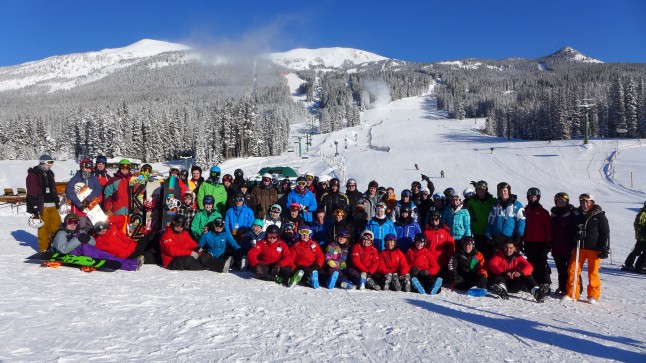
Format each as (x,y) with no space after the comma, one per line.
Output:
(72,222)
(188,197)
(584,197)
(124,167)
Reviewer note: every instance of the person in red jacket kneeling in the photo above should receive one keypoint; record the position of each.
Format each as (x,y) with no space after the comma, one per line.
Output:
(511,273)
(111,239)
(364,260)
(308,256)
(393,267)
(270,258)
(178,249)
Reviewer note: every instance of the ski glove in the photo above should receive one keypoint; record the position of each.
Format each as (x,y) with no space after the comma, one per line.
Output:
(603,254)
(84,238)
(414,271)
(424,177)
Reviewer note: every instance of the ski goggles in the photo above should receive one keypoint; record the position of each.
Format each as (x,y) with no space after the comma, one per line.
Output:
(367,236)
(339,213)
(304,232)
(227,178)
(88,164)
(49,162)
(586,197)
(309,177)
(435,218)
(275,210)
(301,183)
(125,167)
(238,199)
(561,195)
(72,222)
(266,180)
(147,169)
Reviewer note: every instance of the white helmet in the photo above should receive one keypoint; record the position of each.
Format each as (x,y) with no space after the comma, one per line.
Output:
(35,222)
(309,173)
(469,193)
(266,175)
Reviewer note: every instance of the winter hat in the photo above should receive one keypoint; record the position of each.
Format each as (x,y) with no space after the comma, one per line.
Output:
(43,159)
(258,222)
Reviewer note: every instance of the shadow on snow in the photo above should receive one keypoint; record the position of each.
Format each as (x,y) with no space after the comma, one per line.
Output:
(26,239)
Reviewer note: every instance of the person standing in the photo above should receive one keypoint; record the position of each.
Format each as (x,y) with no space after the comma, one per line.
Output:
(42,200)
(538,236)
(592,234)
(117,192)
(305,199)
(264,197)
(83,176)
(506,218)
(563,243)
(352,193)
(479,208)
(100,171)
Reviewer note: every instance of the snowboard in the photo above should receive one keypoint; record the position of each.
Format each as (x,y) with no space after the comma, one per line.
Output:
(477,292)
(93,211)
(76,261)
(172,198)
(144,205)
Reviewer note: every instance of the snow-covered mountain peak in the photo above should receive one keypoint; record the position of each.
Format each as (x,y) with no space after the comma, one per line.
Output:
(571,54)
(303,58)
(147,48)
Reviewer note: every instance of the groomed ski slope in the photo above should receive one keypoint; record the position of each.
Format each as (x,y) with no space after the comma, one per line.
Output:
(65,315)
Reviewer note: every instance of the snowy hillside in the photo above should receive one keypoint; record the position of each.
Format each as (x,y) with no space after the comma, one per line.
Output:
(158,315)
(302,59)
(71,70)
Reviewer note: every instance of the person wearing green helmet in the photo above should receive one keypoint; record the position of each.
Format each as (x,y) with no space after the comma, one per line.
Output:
(116,196)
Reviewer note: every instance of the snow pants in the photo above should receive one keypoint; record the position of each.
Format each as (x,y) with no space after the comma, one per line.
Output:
(128,264)
(536,253)
(185,263)
(425,278)
(51,223)
(263,272)
(515,285)
(639,252)
(594,284)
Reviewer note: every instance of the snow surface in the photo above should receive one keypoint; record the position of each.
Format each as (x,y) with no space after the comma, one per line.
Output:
(158,315)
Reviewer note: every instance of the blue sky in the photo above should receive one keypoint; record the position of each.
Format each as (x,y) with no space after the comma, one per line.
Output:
(612,31)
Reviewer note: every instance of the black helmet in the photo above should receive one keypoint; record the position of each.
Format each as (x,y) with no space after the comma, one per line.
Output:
(218,222)
(179,220)
(435,214)
(335,182)
(301,179)
(101,159)
(238,173)
(406,193)
(420,237)
(208,200)
(273,229)
(533,191)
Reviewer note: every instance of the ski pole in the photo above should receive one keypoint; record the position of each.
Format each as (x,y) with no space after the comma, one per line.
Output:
(576,268)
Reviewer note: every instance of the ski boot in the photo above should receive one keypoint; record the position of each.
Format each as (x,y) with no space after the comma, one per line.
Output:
(387,280)
(314,279)
(396,284)
(227,265)
(437,286)
(418,286)
(501,290)
(371,284)
(294,280)
(243,263)
(407,283)
(540,292)
(346,284)
(331,281)
(363,280)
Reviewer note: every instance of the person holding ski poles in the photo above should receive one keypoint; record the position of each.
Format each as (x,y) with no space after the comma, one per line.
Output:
(593,244)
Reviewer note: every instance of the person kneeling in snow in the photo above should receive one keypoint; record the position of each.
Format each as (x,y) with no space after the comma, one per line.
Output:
(511,273)
(70,240)
(393,267)
(178,249)
(270,258)
(468,266)
(423,267)
(308,257)
(214,243)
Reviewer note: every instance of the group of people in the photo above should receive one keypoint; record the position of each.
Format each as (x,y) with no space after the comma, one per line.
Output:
(313,233)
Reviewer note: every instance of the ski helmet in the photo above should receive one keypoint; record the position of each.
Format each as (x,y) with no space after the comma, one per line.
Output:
(390,237)
(238,173)
(146,168)
(215,169)
(482,185)
(406,193)
(266,176)
(435,214)
(562,195)
(273,229)
(218,222)
(342,233)
(586,196)
(35,222)
(534,192)
(448,192)
(301,179)
(438,196)
(405,209)
(227,178)
(258,222)
(86,163)
(277,207)
(179,221)
(334,182)
(124,162)
(469,193)
(289,226)
(351,182)
(101,159)
(468,240)
(208,200)
(420,237)
(100,226)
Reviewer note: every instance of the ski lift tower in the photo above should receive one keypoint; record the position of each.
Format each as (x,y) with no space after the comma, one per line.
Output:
(586,104)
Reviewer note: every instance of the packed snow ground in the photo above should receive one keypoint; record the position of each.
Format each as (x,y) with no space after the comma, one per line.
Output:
(158,315)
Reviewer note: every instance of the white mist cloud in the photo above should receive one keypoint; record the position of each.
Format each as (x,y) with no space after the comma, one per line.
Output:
(379,92)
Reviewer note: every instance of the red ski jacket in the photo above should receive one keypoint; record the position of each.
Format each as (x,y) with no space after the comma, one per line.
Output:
(393,261)
(175,245)
(364,259)
(441,244)
(268,253)
(307,254)
(116,242)
(501,264)
(538,225)
(422,259)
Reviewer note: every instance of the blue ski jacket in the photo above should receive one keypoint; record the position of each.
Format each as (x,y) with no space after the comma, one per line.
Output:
(406,234)
(306,199)
(216,243)
(458,221)
(380,230)
(506,218)
(238,217)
